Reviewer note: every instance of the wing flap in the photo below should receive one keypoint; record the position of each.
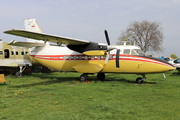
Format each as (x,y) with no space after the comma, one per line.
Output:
(46,37)
(25,44)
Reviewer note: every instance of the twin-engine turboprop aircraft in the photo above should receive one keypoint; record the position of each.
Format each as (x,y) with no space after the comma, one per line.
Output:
(90,57)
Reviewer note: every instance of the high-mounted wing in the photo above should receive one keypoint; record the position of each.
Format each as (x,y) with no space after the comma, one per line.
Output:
(82,46)
(46,37)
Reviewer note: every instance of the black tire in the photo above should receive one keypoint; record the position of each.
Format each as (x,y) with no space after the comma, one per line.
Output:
(83,78)
(18,74)
(101,76)
(139,80)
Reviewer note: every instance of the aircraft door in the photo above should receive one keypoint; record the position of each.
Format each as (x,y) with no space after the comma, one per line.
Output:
(6,53)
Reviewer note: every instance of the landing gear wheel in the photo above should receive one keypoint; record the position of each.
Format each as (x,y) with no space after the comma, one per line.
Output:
(101,76)
(139,80)
(18,74)
(83,78)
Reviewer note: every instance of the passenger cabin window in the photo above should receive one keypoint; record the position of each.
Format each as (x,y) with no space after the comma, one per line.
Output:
(104,57)
(64,57)
(75,57)
(6,53)
(110,57)
(26,53)
(1,52)
(92,57)
(22,53)
(99,57)
(69,57)
(126,51)
(16,52)
(86,57)
(80,57)
(12,53)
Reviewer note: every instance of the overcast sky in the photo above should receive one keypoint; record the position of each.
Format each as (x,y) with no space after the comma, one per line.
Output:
(87,19)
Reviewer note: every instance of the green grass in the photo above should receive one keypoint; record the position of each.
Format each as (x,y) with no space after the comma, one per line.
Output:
(59,96)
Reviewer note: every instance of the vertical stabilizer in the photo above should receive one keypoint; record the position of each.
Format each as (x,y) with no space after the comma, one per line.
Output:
(31,25)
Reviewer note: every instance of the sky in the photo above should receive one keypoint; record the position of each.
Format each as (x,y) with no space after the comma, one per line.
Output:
(87,19)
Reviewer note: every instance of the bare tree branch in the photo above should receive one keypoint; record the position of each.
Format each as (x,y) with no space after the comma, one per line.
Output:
(147,35)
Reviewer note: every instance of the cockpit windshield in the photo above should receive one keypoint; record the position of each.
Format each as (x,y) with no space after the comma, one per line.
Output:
(139,52)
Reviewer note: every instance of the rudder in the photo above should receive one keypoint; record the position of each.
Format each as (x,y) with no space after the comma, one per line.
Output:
(31,25)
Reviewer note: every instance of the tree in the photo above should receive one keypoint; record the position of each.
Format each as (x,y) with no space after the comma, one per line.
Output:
(173,56)
(125,39)
(147,35)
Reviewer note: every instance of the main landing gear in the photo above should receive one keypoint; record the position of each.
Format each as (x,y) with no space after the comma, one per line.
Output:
(140,80)
(21,69)
(101,76)
(84,77)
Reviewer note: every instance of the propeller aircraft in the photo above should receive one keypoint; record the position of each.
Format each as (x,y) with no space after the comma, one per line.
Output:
(90,57)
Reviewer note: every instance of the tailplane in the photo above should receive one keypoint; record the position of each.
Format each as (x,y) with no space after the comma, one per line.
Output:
(31,25)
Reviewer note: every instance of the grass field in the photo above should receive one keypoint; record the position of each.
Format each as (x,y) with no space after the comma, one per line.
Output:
(59,96)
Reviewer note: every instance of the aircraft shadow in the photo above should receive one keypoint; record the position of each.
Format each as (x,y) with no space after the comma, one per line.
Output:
(175,74)
(132,82)
(48,82)
(2,84)
(72,80)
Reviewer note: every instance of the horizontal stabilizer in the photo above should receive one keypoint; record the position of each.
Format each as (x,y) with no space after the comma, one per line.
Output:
(25,44)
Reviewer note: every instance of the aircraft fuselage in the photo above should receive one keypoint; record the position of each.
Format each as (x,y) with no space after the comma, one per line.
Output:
(64,59)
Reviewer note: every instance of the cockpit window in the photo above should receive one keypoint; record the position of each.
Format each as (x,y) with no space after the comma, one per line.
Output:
(133,52)
(139,52)
(177,61)
(127,51)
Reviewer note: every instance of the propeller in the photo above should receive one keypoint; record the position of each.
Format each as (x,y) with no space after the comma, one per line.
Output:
(109,48)
(117,58)
(107,37)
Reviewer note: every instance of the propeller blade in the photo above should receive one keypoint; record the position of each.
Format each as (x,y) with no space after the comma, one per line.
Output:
(117,58)
(109,48)
(107,37)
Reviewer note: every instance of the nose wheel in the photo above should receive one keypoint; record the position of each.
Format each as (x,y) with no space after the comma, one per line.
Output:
(140,80)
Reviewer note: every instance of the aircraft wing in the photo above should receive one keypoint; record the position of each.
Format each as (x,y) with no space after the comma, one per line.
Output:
(46,37)
(9,65)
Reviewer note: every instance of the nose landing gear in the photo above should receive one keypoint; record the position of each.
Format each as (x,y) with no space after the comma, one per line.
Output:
(140,80)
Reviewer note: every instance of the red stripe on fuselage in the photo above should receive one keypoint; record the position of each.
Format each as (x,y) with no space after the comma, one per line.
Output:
(126,58)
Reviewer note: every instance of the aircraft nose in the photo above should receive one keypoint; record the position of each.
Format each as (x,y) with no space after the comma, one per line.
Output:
(161,65)
(165,66)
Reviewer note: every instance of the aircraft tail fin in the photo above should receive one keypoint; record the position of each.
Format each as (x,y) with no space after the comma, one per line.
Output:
(31,25)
